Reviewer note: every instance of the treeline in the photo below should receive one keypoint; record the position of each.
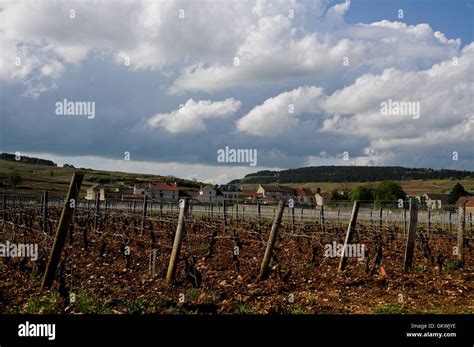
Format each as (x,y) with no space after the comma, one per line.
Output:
(28,160)
(390,191)
(342,174)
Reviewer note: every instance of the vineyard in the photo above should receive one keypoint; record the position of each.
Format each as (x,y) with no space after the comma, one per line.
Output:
(154,257)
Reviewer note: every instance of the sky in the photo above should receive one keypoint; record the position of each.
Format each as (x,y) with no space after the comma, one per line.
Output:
(298,83)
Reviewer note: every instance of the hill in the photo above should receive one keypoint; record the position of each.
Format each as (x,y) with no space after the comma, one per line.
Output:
(348,174)
(34,177)
(25,159)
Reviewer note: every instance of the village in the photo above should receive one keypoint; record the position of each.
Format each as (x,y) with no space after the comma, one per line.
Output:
(265,194)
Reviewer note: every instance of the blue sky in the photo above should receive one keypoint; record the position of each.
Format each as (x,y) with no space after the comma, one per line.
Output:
(181,97)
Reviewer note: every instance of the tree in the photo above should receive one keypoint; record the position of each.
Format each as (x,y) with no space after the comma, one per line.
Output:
(457,191)
(361,193)
(14,178)
(338,195)
(389,191)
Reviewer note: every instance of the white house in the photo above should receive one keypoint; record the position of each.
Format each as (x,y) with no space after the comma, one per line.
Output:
(92,191)
(435,200)
(164,191)
(231,192)
(208,194)
(304,196)
(276,193)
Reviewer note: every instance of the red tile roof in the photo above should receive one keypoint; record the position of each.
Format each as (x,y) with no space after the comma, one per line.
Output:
(164,186)
(133,196)
(249,193)
(300,191)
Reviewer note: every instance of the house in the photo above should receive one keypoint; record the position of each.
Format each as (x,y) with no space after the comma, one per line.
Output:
(304,196)
(133,197)
(92,191)
(249,196)
(139,188)
(319,197)
(436,200)
(164,191)
(274,193)
(191,195)
(208,194)
(469,208)
(231,192)
(157,191)
(463,200)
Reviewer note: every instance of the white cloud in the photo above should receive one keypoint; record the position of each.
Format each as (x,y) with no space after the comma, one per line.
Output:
(201,46)
(280,113)
(149,33)
(445,93)
(276,49)
(190,116)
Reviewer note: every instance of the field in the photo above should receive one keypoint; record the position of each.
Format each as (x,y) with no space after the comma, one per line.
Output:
(56,179)
(116,262)
(36,178)
(411,187)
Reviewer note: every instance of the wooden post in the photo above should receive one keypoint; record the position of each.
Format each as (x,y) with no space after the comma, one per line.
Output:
(321,217)
(45,211)
(258,210)
(237,214)
(66,215)
(470,219)
(339,218)
(224,208)
(404,221)
(293,219)
(271,241)
(461,228)
(105,211)
(153,262)
(450,222)
(145,205)
(97,211)
(4,205)
(212,209)
(429,221)
(380,220)
(410,246)
(178,238)
(350,232)
(161,208)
